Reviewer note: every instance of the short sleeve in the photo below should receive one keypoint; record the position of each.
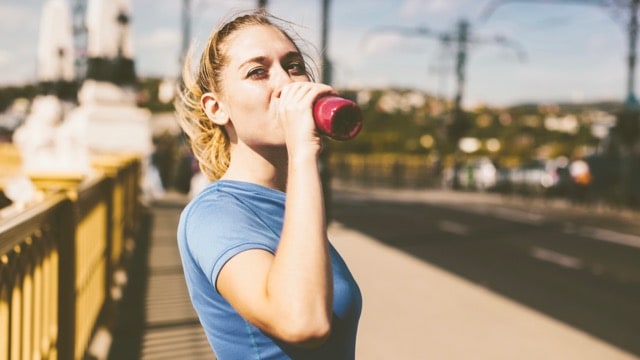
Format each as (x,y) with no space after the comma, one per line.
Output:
(220,228)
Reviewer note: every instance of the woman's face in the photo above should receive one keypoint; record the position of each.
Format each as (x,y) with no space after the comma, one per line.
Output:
(261,60)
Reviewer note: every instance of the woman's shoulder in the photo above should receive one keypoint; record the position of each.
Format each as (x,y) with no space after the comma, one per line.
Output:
(222,216)
(212,213)
(213,198)
(225,198)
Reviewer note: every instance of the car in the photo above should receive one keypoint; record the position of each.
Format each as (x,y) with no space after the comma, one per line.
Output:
(479,174)
(541,177)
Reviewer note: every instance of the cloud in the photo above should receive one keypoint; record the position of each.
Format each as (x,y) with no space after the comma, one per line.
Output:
(384,42)
(15,70)
(160,38)
(411,7)
(14,16)
(603,43)
(18,26)
(439,13)
(5,58)
(157,52)
(414,8)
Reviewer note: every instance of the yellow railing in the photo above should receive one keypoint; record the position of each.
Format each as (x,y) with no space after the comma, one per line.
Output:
(393,170)
(29,292)
(58,259)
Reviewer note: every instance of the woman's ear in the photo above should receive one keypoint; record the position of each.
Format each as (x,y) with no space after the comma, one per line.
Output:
(214,109)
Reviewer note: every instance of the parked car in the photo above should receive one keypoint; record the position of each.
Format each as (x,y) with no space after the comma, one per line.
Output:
(479,174)
(541,177)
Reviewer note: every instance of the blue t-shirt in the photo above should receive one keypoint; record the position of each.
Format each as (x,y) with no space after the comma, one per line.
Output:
(229,217)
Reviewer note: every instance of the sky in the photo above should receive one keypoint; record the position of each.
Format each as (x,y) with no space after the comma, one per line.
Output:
(571,52)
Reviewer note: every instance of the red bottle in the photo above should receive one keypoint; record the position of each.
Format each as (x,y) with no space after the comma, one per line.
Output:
(337,118)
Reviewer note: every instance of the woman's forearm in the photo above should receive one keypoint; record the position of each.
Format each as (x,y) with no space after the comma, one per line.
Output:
(300,280)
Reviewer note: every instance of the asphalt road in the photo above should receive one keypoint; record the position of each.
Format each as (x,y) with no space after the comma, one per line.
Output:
(578,265)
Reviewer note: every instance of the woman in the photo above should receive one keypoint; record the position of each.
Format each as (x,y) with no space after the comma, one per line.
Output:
(262,276)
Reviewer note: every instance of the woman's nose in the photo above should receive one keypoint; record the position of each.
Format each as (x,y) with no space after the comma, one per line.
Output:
(280,78)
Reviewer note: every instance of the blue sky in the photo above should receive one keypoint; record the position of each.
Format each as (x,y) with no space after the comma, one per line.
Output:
(573,52)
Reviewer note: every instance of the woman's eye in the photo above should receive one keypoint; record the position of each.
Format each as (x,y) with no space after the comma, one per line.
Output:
(297,69)
(257,73)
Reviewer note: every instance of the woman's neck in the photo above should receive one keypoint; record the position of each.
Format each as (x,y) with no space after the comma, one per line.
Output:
(268,168)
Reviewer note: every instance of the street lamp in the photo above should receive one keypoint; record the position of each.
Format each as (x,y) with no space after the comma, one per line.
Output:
(327,73)
(186,30)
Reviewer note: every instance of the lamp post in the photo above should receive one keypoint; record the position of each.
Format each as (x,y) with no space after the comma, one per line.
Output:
(186,30)
(631,99)
(327,73)
(326,78)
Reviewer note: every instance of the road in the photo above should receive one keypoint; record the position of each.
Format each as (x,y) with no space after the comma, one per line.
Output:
(578,265)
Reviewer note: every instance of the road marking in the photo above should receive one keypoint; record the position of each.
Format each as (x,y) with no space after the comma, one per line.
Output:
(611,236)
(509,214)
(518,216)
(556,258)
(453,227)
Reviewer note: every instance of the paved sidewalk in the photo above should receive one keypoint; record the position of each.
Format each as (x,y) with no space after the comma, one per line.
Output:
(171,327)
(414,310)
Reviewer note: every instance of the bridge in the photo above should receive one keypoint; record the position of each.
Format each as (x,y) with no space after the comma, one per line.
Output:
(81,279)
(90,271)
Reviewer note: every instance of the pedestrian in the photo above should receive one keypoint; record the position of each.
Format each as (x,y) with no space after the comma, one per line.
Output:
(263,277)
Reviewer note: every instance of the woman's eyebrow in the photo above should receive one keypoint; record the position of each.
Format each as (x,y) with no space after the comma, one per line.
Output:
(257,59)
(292,55)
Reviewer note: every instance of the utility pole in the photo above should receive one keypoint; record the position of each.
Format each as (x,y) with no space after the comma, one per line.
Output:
(462,37)
(327,69)
(326,78)
(457,125)
(631,99)
(461,60)
(262,4)
(186,30)
(80,39)
(628,124)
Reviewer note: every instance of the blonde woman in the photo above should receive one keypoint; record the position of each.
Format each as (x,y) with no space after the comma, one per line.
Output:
(262,275)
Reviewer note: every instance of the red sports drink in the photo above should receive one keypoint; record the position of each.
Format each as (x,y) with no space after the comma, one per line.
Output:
(337,118)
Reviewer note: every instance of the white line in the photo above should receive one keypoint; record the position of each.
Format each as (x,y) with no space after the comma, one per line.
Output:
(453,227)
(556,258)
(518,216)
(611,236)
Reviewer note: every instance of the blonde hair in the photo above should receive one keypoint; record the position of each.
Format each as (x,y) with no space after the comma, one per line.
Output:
(210,142)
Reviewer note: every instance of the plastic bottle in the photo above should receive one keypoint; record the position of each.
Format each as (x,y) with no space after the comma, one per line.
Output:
(337,117)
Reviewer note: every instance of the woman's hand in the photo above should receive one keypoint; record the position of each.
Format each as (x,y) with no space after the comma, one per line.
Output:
(295,112)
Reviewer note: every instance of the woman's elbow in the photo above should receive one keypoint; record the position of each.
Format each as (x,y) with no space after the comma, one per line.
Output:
(307,333)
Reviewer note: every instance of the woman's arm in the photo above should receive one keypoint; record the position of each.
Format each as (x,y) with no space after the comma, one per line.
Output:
(289,294)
